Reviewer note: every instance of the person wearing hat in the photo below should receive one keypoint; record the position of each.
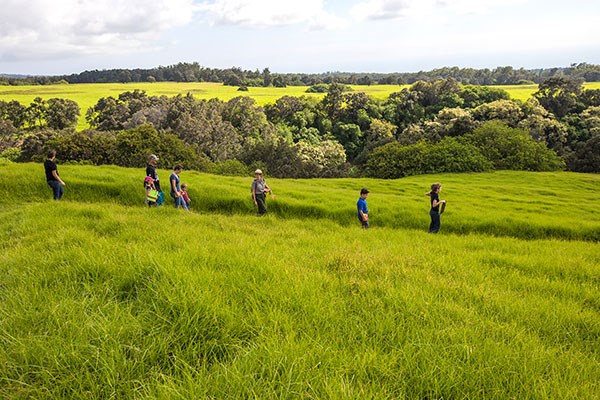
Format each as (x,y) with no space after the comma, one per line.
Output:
(363,210)
(259,188)
(151,172)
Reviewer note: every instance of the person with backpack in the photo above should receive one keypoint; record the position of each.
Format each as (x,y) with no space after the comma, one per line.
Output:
(52,177)
(151,172)
(259,188)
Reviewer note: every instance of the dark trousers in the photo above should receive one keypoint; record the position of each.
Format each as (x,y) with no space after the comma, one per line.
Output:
(365,224)
(57,189)
(435,224)
(261,200)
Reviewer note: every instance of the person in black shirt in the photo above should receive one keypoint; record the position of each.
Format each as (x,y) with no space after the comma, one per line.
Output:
(52,177)
(151,171)
(434,212)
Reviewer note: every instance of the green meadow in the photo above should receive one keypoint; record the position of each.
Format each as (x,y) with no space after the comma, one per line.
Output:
(87,95)
(104,298)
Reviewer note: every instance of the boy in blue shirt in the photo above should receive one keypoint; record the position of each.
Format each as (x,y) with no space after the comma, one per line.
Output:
(363,210)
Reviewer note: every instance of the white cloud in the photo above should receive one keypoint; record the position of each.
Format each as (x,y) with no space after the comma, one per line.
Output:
(396,9)
(39,29)
(270,13)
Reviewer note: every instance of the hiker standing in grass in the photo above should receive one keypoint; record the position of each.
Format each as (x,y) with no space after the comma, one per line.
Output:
(363,210)
(175,186)
(52,177)
(259,188)
(151,172)
(435,212)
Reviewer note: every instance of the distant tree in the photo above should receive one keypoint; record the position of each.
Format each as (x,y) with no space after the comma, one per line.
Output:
(267,78)
(62,113)
(474,95)
(36,112)
(14,112)
(560,96)
(279,81)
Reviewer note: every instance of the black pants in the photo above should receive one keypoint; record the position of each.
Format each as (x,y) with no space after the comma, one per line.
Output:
(261,200)
(435,224)
(365,224)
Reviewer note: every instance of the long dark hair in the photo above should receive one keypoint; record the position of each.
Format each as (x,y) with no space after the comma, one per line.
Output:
(434,188)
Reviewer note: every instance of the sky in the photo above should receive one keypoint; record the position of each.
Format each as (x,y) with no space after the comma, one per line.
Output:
(43,37)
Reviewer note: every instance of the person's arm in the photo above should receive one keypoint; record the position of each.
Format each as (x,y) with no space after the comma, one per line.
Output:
(437,203)
(55,175)
(254,194)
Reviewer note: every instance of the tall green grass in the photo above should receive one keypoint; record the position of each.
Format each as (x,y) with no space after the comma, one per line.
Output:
(101,297)
(503,203)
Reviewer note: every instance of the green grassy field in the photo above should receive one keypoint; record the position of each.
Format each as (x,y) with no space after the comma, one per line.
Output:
(102,297)
(87,95)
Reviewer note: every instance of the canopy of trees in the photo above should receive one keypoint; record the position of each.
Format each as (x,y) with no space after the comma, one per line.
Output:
(194,72)
(436,126)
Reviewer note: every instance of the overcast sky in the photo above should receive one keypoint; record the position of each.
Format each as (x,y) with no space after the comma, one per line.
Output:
(68,36)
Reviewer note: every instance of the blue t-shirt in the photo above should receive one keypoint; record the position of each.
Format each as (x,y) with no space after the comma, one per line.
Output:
(361,205)
(175,178)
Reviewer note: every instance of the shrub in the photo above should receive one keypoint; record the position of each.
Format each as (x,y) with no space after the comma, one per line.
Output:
(91,146)
(230,168)
(513,148)
(318,88)
(12,154)
(34,146)
(394,160)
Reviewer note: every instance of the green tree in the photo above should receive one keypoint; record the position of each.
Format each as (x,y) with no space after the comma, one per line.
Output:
(36,112)
(61,113)
(560,96)
(513,148)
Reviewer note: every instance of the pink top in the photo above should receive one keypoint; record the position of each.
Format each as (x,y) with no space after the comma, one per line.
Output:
(185,196)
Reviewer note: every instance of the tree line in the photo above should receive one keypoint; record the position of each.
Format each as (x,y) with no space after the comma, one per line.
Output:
(435,126)
(194,72)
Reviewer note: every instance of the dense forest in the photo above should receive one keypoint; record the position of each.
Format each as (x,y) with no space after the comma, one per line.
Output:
(430,127)
(193,72)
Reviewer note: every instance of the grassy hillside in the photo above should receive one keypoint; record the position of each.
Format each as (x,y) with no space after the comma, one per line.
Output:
(104,298)
(87,95)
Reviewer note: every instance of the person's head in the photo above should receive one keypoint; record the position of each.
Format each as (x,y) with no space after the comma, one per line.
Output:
(51,154)
(148,180)
(436,187)
(178,168)
(258,174)
(184,186)
(364,193)
(152,159)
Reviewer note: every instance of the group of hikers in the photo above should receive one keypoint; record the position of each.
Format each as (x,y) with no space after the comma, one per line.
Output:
(259,189)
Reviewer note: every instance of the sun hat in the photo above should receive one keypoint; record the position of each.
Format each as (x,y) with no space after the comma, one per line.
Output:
(148,179)
(153,157)
(258,171)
